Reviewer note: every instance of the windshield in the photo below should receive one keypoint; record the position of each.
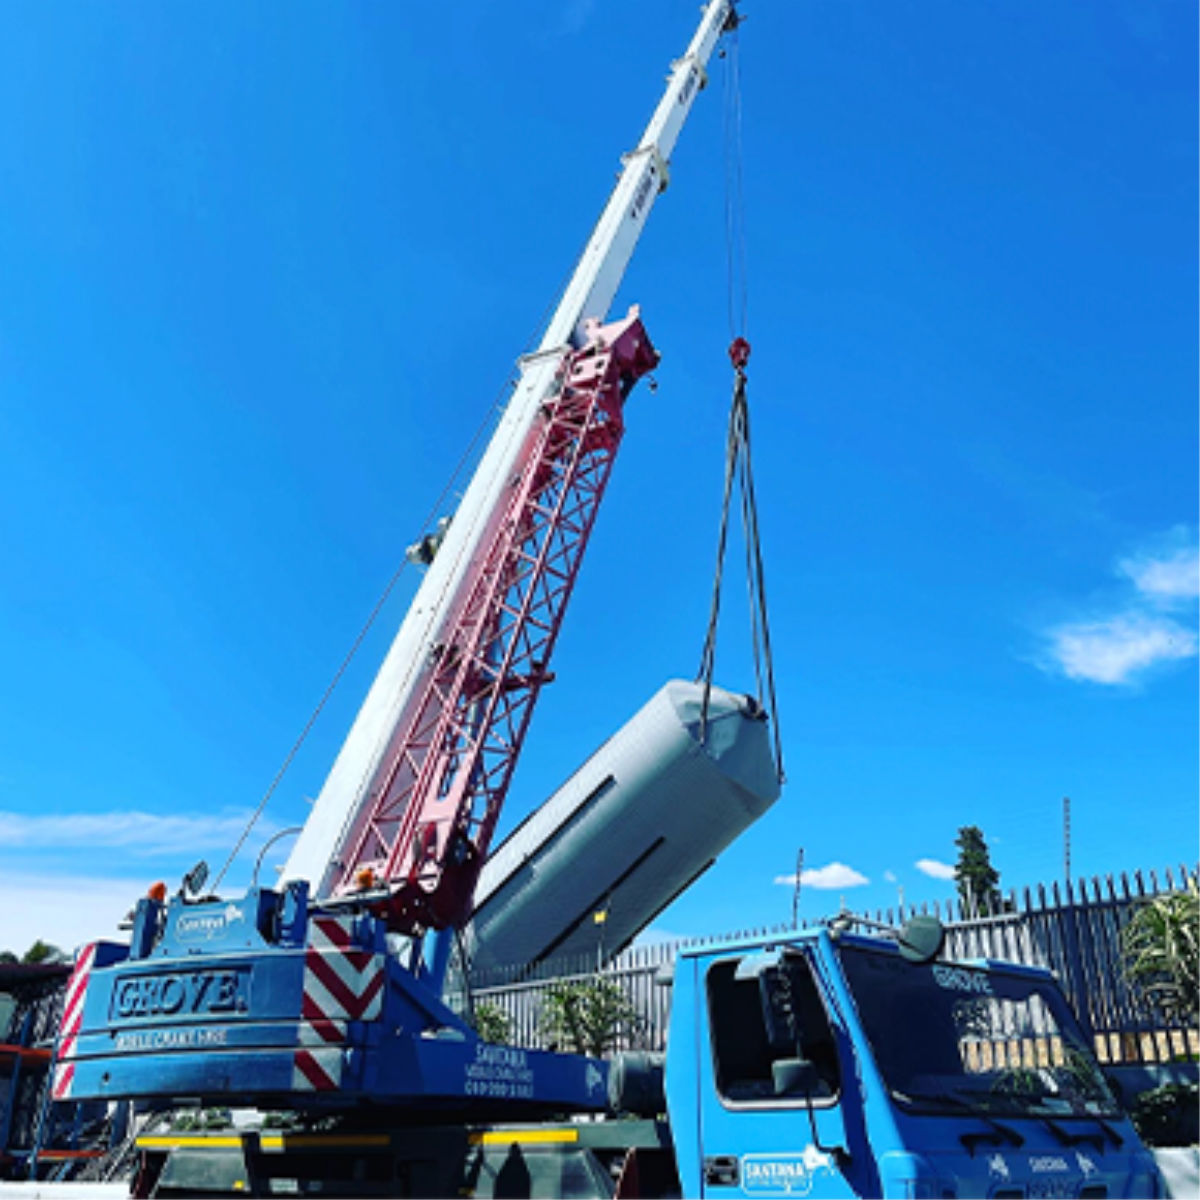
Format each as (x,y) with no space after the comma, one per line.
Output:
(947,1037)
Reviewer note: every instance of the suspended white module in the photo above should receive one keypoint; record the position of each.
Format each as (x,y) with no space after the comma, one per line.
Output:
(641,819)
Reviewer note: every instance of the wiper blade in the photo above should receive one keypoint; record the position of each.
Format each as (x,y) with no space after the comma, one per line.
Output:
(1066,1138)
(1099,1140)
(999,1138)
(1000,1135)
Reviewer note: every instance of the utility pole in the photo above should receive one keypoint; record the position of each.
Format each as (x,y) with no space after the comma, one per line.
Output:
(600,919)
(1067,838)
(796,890)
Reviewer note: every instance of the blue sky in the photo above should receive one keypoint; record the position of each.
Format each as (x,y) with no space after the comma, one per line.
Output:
(267,267)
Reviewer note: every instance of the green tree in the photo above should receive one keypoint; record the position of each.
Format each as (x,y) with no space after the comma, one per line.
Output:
(978,881)
(491,1022)
(43,952)
(1160,948)
(587,1015)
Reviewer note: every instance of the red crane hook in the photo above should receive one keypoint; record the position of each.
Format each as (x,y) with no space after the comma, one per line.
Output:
(739,352)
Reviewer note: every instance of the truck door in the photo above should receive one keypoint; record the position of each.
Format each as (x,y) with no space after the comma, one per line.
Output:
(774,1088)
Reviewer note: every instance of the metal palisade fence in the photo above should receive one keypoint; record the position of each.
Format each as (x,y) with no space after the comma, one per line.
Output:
(1074,929)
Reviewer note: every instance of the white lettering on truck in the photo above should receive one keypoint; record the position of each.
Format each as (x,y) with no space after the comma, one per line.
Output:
(958,979)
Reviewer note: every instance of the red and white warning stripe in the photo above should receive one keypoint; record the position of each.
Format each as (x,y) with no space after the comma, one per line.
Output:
(317,1066)
(341,983)
(72,1022)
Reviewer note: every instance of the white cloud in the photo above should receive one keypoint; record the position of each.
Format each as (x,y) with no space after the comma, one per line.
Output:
(935,869)
(138,833)
(1168,575)
(829,878)
(48,906)
(1138,632)
(890,876)
(1118,649)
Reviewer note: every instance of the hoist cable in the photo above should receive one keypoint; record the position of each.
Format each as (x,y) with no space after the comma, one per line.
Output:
(752,603)
(759,586)
(735,262)
(739,471)
(735,225)
(708,655)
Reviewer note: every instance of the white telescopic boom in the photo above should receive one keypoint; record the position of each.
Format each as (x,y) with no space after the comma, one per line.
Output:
(588,295)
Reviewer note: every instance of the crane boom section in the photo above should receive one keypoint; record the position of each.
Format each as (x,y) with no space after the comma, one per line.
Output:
(602,265)
(435,803)
(357,785)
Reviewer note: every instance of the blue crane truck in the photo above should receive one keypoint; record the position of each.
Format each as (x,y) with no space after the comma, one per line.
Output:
(826,1063)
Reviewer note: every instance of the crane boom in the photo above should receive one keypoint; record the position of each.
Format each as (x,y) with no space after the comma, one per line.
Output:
(602,265)
(412,791)
(296,995)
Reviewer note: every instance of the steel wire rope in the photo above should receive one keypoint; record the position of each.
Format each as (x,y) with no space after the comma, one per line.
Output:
(737,288)
(708,654)
(739,471)
(738,468)
(731,145)
(758,584)
(749,517)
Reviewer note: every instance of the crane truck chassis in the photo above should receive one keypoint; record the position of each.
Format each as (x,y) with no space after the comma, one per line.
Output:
(828,1063)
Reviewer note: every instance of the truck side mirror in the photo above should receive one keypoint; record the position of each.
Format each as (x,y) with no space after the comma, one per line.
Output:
(195,879)
(794,1077)
(921,939)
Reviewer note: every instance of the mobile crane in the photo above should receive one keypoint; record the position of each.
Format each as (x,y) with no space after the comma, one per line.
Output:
(821,1063)
(325,991)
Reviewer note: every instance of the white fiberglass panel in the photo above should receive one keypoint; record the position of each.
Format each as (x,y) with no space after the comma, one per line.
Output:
(650,810)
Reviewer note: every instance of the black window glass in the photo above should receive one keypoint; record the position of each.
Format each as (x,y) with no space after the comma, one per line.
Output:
(774,1016)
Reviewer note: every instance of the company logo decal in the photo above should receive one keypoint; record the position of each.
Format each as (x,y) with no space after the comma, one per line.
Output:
(1048,1162)
(212,991)
(641,196)
(203,926)
(957,979)
(500,1071)
(784,1174)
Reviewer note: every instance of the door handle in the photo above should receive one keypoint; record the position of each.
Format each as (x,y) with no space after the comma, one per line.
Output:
(721,1170)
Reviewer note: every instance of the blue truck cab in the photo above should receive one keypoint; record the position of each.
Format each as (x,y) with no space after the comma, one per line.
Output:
(838,1064)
